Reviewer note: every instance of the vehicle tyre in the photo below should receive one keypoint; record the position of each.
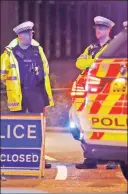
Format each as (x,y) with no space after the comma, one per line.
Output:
(124,169)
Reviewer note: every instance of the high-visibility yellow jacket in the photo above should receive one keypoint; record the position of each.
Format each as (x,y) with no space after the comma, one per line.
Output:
(9,70)
(85,60)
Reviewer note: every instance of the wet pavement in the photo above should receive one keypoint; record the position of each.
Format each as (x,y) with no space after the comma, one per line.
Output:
(63,152)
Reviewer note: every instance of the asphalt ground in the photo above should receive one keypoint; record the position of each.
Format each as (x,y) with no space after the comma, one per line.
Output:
(62,151)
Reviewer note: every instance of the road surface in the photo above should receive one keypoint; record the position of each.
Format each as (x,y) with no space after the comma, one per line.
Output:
(63,152)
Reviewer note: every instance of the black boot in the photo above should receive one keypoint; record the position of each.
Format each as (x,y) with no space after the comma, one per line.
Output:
(2,178)
(111,165)
(87,164)
(47,165)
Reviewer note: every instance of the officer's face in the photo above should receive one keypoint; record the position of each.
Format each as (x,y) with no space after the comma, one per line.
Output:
(102,31)
(26,37)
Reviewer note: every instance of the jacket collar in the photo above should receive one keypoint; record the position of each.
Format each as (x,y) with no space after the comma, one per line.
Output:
(104,44)
(15,42)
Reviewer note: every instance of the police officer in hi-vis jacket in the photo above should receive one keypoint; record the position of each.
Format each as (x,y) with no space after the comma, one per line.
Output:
(25,73)
(103,27)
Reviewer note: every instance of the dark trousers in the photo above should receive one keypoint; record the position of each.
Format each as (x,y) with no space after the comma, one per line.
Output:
(32,102)
(88,161)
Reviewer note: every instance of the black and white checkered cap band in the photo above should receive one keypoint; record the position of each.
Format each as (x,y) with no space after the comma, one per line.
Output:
(23,29)
(103,23)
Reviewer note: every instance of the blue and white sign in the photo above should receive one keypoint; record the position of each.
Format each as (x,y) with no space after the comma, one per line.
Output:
(18,158)
(22,143)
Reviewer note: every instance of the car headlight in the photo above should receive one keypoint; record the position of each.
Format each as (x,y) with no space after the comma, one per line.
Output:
(76,132)
(72,125)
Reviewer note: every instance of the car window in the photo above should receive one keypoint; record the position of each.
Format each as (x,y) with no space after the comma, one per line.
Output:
(121,52)
(117,48)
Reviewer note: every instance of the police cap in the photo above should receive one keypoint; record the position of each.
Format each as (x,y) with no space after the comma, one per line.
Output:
(102,21)
(24,27)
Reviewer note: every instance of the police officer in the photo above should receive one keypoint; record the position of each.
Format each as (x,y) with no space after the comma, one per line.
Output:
(103,27)
(25,72)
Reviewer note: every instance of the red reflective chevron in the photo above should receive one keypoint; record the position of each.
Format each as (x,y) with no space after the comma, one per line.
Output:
(81,107)
(97,135)
(125,110)
(118,106)
(97,104)
(107,87)
(113,70)
(116,110)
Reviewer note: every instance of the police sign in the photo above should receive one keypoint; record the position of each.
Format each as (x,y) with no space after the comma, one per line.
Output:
(22,144)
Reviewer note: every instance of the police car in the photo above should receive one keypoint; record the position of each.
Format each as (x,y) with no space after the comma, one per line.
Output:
(99,115)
